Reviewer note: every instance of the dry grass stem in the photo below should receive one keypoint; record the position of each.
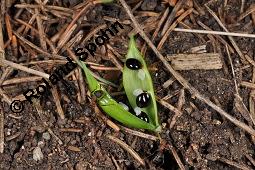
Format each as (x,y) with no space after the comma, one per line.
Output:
(177,158)
(215,32)
(235,164)
(139,134)
(127,148)
(14,136)
(232,69)
(93,33)
(23,68)
(57,102)
(230,37)
(179,19)
(1,130)
(116,163)
(21,80)
(156,32)
(169,82)
(2,55)
(40,30)
(250,10)
(55,136)
(176,111)
(32,45)
(72,130)
(5,97)
(73,148)
(250,159)
(186,85)
(172,16)
(217,36)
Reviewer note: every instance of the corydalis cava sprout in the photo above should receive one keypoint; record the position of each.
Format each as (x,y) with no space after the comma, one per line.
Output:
(110,106)
(138,84)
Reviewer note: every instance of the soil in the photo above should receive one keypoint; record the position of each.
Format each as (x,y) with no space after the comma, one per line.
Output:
(202,138)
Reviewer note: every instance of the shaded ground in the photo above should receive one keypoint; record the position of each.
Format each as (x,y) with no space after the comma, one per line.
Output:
(202,138)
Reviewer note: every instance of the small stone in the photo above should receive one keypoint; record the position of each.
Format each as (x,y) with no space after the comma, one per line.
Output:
(89,134)
(46,136)
(41,144)
(37,154)
(149,5)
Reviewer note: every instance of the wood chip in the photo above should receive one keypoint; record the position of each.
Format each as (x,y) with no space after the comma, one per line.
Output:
(205,61)
(74,148)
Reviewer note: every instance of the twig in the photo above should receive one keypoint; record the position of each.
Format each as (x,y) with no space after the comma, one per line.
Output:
(250,10)
(238,102)
(114,59)
(55,136)
(72,130)
(230,38)
(215,32)
(57,102)
(235,164)
(40,30)
(93,33)
(250,159)
(21,80)
(172,16)
(2,56)
(8,26)
(23,68)
(32,45)
(5,97)
(232,69)
(140,134)
(73,148)
(217,36)
(1,130)
(6,72)
(181,79)
(177,158)
(127,148)
(72,26)
(156,32)
(176,111)
(116,163)
(179,19)
(11,137)
(81,85)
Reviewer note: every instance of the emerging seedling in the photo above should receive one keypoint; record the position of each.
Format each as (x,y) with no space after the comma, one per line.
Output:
(110,106)
(139,89)
(138,86)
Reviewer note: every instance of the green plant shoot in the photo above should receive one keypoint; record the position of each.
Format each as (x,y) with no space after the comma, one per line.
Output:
(138,86)
(110,106)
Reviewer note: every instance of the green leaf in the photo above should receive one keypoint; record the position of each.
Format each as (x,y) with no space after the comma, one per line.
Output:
(139,79)
(92,82)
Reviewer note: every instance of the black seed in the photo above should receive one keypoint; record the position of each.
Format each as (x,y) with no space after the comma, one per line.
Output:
(143,116)
(133,64)
(143,100)
(99,93)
